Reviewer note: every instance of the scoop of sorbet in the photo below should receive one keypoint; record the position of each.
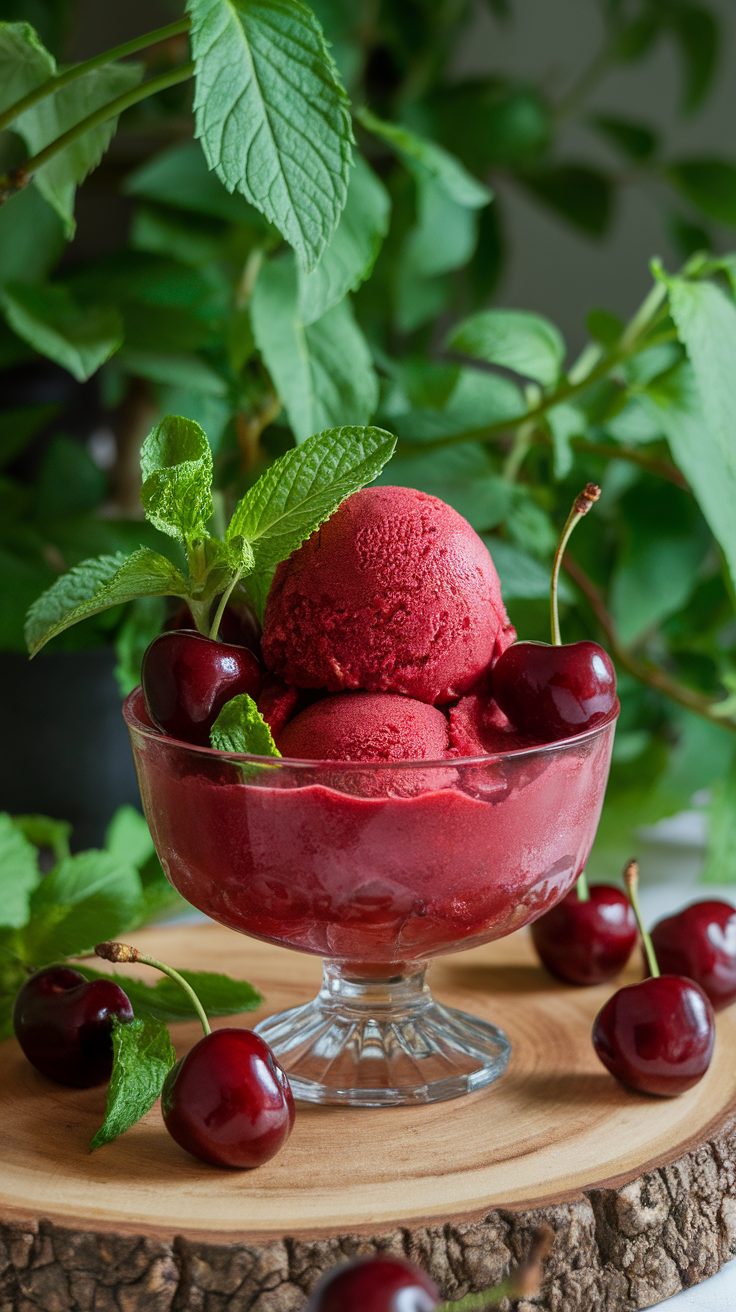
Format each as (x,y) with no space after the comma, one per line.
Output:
(365,726)
(395,593)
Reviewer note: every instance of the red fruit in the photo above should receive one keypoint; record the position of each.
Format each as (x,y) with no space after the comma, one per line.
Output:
(63,1023)
(375,1284)
(700,942)
(278,702)
(587,942)
(228,1102)
(656,1036)
(187,679)
(554,692)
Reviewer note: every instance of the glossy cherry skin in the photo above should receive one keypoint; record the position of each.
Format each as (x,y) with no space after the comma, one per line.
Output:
(587,942)
(228,1102)
(187,679)
(656,1036)
(239,625)
(63,1023)
(375,1284)
(554,692)
(700,942)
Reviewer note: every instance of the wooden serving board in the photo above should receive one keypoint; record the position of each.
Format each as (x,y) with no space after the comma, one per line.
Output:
(641,1192)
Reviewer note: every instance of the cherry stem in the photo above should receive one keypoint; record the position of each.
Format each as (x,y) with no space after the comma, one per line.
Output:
(583,502)
(631,880)
(224,599)
(122,952)
(582,887)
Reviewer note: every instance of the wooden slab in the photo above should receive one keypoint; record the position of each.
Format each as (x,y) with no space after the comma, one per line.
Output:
(641,1191)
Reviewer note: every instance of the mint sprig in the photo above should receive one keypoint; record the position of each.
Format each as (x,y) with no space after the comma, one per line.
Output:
(143,1055)
(240,727)
(292,498)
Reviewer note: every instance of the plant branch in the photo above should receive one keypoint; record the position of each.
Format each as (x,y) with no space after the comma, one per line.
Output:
(652,676)
(20,177)
(653,464)
(79,70)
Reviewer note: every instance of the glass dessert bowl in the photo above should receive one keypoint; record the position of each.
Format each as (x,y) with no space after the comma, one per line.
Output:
(377,868)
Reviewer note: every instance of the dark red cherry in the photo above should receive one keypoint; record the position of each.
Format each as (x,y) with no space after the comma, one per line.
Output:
(554,692)
(228,1102)
(187,679)
(656,1036)
(63,1023)
(700,942)
(375,1284)
(239,625)
(587,942)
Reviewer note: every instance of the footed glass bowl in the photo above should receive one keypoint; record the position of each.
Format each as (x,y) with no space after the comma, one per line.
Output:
(377,869)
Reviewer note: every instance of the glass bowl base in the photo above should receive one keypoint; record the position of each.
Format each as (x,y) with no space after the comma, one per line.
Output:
(383,1043)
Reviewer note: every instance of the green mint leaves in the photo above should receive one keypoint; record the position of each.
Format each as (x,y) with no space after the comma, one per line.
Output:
(240,727)
(271,115)
(166,1001)
(290,500)
(142,1058)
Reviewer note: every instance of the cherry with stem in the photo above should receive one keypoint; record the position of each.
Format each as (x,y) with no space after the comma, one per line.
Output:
(228,1102)
(589,936)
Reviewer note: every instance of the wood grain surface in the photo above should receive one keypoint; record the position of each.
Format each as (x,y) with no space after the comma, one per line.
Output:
(641,1191)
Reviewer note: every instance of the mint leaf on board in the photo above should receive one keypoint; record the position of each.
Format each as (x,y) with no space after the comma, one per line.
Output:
(301,489)
(271,114)
(349,258)
(323,372)
(51,321)
(24,63)
(19,873)
(41,124)
(516,339)
(166,1000)
(709,184)
(86,898)
(96,585)
(176,466)
(450,174)
(240,727)
(143,1055)
(42,831)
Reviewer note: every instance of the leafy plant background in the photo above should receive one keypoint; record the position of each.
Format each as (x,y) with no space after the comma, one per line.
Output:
(178,295)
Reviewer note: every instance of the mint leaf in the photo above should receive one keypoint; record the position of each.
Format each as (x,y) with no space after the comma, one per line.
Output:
(86,898)
(52,322)
(450,174)
(19,873)
(42,831)
(301,489)
(31,237)
(50,118)
(176,465)
(323,373)
(96,585)
(166,1001)
(142,1058)
(272,117)
(128,837)
(240,727)
(445,235)
(350,256)
(709,184)
(517,339)
(24,63)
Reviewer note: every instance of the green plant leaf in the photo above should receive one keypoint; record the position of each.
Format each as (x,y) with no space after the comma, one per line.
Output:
(462,475)
(582,195)
(57,180)
(176,466)
(96,585)
(445,235)
(323,373)
(19,427)
(180,177)
(19,873)
(565,422)
(709,184)
(86,898)
(524,342)
(305,486)
(634,140)
(166,1000)
(52,322)
(348,259)
(271,114)
(128,837)
(42,831)
(31,238)
(720,864)
(143,1055)
(697,34)
(474,400)
(675,403)
(24,63)
(179,370)
(522,577)
(143,621)
(240,727)
(417,152)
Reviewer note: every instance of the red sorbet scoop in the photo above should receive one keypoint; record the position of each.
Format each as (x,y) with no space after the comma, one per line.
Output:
(395,593)
(366,726)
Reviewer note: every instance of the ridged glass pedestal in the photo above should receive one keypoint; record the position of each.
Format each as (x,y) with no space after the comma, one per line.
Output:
(383,1043)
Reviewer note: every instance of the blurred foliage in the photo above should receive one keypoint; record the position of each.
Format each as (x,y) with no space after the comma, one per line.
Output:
(207,313)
